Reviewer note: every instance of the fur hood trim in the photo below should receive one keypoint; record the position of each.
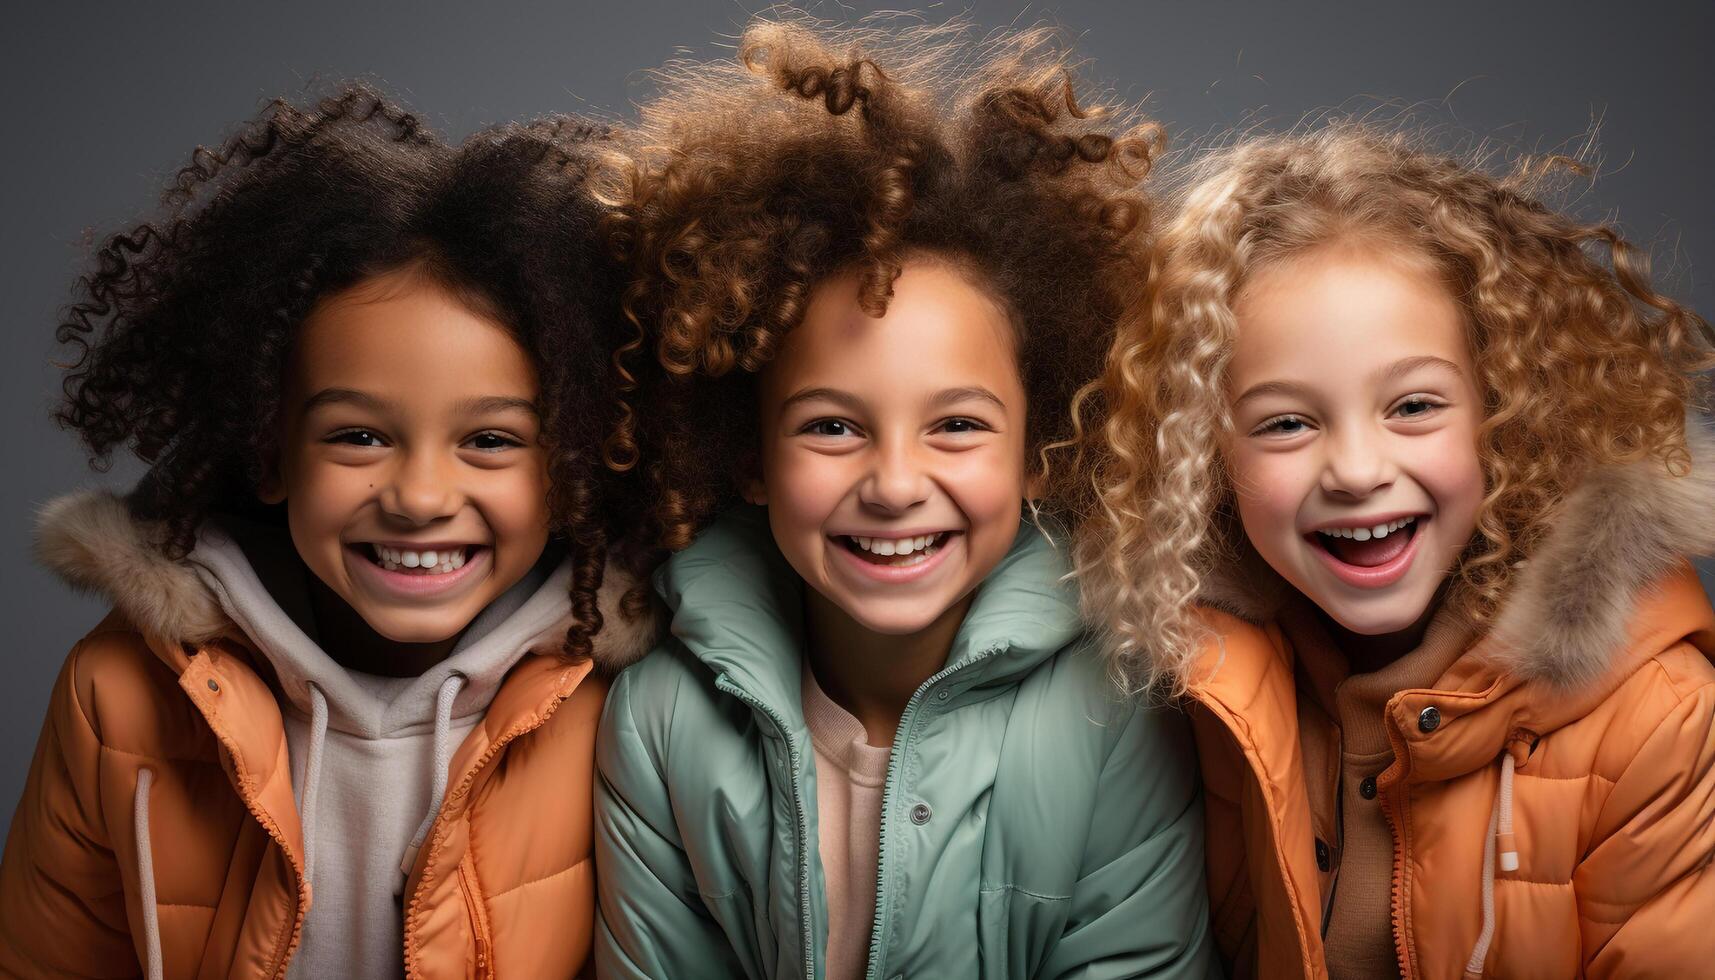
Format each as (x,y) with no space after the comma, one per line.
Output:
(1566,620)
(90,539)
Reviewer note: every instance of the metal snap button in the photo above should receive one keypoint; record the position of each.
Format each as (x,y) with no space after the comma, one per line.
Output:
(921,813)
(1367,788)
(1324,857)
(213,686)
(1429,719)
(943,695)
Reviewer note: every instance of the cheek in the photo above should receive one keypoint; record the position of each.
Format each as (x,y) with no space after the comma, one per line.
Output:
(1453,475)
(804,488)
(1269,489)
(515,501)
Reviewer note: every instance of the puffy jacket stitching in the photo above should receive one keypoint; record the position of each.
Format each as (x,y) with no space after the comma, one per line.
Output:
(73,674)
(185,905)
(1520,776)
(1042,896)
(568,869)
(1510,880)
(1584,900)
(116,750)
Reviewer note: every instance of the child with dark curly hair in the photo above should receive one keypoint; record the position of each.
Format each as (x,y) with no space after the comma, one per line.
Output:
(341,720)
(873,267)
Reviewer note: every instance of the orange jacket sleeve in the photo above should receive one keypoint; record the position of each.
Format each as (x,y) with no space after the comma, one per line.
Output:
(62,898)
(1646,890)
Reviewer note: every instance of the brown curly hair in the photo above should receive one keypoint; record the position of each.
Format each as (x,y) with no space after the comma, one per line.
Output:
(1581,364)
(181,333)
(820,151)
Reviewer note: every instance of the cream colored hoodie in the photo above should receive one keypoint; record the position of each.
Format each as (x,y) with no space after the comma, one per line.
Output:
(369,754)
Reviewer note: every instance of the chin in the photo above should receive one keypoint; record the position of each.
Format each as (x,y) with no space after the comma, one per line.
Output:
(417,631)
(1375,622)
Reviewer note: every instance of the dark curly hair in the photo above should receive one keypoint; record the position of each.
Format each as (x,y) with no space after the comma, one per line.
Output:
(182,331)
(819,151)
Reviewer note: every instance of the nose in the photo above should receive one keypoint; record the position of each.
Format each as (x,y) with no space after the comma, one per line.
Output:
(897,480)
(1356,464)
(419,490)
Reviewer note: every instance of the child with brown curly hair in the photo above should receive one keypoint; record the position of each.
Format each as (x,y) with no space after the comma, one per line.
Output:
(341,720)
(1419,445)
(873,267)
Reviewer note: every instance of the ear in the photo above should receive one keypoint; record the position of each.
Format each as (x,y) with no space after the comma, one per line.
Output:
(1035,485)
(750,485)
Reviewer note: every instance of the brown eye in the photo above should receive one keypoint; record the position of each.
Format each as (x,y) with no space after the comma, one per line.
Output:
(828,427)
(492,442)
(356,437)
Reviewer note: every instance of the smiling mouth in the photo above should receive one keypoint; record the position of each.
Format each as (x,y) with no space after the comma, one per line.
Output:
(441,561)
(1368,547)
(895,552)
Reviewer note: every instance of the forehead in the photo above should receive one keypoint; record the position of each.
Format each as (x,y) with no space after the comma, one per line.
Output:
(1340,312)
(939,331)
(402,332)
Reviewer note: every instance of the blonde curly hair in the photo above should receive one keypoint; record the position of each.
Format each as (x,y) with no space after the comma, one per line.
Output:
(1580,362)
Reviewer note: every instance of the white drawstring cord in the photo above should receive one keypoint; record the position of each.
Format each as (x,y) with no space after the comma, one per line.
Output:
(443,760)
(312,776)
(1499,838)
(153,969)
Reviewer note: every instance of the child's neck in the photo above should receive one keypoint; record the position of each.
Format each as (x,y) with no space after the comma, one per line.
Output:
(870,674)
(1366,654)
(355,645)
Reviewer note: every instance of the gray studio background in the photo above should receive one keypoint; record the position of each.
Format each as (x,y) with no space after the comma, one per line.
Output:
(102,101)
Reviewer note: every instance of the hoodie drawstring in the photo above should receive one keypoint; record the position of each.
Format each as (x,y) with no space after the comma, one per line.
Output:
(1499,841)
(312,775)
(153,969)
(444,698)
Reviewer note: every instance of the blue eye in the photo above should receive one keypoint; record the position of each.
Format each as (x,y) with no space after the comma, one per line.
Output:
(1415,407)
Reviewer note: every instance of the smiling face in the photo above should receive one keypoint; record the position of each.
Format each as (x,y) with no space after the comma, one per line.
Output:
(414,483)
(892,449)
(1355,413)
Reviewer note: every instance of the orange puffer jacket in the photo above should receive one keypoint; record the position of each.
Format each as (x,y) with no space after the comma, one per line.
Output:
(161,729)
(1552,797)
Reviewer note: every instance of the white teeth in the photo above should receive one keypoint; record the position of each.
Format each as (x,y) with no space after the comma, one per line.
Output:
(888,547)
(1381,530)
(431,562)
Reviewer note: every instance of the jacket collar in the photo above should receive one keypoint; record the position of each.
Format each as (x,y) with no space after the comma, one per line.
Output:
(736,605)
(91,540)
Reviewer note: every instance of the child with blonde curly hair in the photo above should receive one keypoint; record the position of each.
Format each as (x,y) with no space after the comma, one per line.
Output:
(1395,490)
(870,269)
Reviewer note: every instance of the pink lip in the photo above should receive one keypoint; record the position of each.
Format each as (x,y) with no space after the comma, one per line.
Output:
(417,586)
(1377,576)
(890,574)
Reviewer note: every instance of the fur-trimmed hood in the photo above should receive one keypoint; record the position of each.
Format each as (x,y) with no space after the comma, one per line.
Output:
(1566,620)
(90,539)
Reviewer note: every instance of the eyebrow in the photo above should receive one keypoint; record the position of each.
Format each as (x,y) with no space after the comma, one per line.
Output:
(844,399)
(481,405)
(1407,365)
(952,396)
(851,402)
(1397,369)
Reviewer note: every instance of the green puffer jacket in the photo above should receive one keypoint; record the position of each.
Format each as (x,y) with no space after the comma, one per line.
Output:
(1033,825)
